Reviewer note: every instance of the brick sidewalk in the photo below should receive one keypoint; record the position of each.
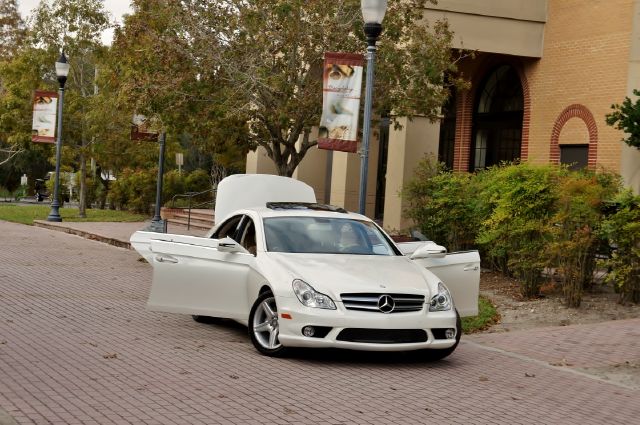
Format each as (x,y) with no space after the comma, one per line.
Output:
(577,346)
(77,346)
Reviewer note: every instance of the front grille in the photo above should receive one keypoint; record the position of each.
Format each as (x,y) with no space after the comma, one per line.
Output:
(369,302)
(382,336)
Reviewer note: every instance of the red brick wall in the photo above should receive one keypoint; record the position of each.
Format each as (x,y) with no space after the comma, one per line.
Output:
(478,69)
(581,112)
(583,70)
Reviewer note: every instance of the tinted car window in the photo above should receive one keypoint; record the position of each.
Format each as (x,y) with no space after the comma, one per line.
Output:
(325,236)
(228,228)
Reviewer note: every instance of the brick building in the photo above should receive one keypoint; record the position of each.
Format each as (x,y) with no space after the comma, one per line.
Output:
(545,75)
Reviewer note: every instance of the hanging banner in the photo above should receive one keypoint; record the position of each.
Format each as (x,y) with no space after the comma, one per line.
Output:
(141,129)
(45,107)
(341,89)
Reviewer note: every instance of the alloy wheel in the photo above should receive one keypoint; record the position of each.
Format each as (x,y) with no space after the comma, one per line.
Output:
(265,324)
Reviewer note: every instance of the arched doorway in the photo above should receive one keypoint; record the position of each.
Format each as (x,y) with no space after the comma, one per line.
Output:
(497,119)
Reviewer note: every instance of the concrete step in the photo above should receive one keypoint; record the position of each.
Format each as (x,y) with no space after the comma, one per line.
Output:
(193,225)
(185,218)
(196,216)
(179,229)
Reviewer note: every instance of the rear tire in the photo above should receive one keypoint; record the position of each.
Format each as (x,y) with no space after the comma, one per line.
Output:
(264,328)
(201,319)
(435,354)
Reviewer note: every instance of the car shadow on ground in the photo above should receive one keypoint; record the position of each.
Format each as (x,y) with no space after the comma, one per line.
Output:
(334,355)
(353,357)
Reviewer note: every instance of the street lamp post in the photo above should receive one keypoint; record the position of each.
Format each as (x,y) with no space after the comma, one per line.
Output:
(373,13)
(62,70)
(157,223)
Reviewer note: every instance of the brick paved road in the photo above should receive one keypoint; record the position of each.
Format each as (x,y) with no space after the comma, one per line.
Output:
(77,346)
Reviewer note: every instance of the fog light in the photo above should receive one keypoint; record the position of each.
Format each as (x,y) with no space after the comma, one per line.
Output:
(450,333)
(308,331)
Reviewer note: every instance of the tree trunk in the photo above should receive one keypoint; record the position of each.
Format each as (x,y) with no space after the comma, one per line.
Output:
(287,163)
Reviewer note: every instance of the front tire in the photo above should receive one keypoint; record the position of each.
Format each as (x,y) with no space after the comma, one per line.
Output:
(263,326)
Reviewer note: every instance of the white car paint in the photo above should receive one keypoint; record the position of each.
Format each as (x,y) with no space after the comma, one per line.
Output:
(241,191)
(192,275)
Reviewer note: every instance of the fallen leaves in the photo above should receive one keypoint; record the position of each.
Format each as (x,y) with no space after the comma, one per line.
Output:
(561,363)
(110,356)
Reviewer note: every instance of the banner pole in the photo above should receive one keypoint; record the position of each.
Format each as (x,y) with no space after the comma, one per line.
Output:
(366,132)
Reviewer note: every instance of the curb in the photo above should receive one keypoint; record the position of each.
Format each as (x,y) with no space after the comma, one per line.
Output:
(82,233)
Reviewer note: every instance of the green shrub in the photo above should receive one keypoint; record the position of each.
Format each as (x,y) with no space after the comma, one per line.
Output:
(174,184)
(441,204)
(523,218)
(514,205)
(135,190)
(198,181)
(575,233)
(622,229)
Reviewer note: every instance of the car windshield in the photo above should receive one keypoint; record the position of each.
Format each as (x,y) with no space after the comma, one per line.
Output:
(320,235)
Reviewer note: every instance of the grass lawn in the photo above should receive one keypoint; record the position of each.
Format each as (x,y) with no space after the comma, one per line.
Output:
(25,214)
(487,316)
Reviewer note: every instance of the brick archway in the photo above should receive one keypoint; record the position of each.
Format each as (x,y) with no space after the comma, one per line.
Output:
(575,111)
(466,101)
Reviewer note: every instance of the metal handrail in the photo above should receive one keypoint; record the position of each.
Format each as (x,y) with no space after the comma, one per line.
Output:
(190,196)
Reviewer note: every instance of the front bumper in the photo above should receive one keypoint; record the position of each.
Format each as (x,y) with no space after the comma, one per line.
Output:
(290,330)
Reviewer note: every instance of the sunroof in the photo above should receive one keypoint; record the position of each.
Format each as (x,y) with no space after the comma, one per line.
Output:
(304,206)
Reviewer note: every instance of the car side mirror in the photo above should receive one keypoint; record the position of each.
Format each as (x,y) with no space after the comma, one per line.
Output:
(229,245)
(429,250)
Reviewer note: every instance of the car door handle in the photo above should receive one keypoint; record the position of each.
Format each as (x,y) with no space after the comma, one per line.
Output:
(166,259)
(470,268)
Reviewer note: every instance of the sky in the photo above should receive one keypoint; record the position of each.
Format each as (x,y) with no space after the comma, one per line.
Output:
(116,7)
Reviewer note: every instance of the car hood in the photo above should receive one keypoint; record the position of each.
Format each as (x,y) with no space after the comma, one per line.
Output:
(334,274)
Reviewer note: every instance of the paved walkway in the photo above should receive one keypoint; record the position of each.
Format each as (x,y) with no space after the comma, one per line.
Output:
(77,346)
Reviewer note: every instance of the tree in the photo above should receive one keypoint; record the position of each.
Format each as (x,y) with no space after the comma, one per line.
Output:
(248,73)
(156,68)
(626,117)
(20,75)
(11,35)
(269,55)
(74,26)
(12,28)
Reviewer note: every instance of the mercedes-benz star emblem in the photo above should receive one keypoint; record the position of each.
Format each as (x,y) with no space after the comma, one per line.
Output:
(386,304)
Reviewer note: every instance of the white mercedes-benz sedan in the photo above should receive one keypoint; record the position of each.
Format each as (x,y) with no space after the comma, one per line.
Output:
(302,274)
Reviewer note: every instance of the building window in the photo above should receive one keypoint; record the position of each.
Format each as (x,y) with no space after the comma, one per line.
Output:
(575,156)
(448,131)
(497,119)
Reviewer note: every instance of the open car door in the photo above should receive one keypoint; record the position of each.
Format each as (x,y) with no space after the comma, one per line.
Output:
(193,276)
(460,272)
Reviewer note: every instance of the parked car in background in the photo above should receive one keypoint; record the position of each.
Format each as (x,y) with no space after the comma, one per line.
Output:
(302,274)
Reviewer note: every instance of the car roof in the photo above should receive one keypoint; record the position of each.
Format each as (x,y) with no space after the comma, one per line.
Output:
(265,212)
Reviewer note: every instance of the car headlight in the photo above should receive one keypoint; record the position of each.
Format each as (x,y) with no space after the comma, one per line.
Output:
(442,300)
(310,297)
